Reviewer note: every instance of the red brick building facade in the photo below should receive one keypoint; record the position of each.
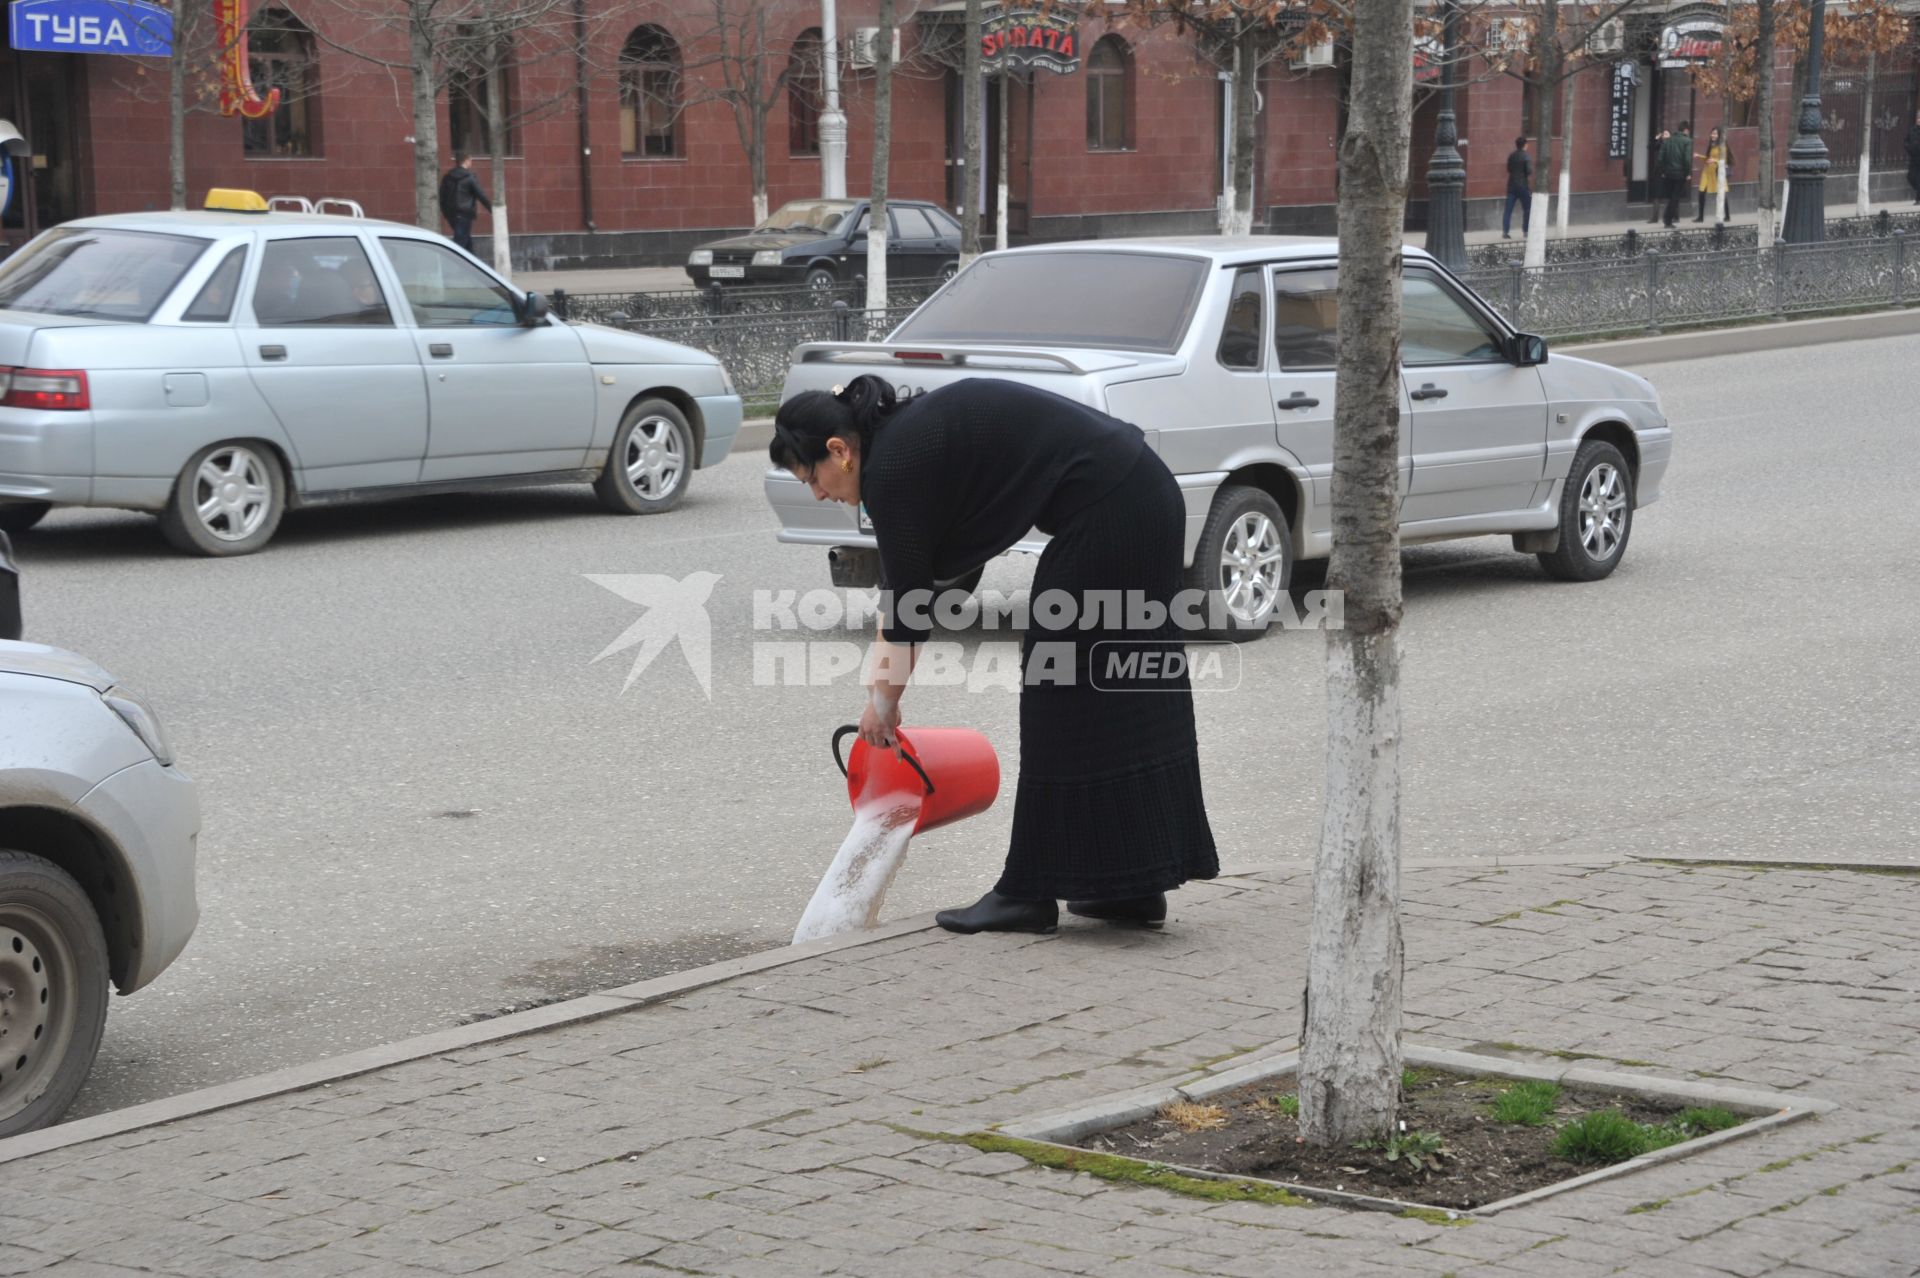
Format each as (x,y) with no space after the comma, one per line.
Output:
(1128,144)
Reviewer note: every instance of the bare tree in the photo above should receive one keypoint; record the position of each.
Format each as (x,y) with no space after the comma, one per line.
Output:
(882,148)
(975,157)
(1350,1052)
(739,62)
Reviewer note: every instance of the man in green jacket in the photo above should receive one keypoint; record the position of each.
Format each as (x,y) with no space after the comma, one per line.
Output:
(1675,167)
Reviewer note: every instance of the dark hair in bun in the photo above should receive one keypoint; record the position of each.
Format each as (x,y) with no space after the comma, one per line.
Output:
(804,424)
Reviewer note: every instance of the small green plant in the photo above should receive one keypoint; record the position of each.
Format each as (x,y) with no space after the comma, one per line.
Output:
(1408,1080)
(1288,1105)
(1529,1104)
(1604,1136)
(1421,1151)
(1701,1122)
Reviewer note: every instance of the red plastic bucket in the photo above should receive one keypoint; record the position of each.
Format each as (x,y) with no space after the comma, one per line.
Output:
(953,772)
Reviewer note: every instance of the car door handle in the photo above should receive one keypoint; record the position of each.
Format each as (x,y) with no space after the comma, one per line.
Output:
(1428,391)
(441,350)
(1299,399)
(273,352)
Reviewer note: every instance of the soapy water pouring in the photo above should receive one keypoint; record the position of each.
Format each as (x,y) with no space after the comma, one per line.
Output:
(895,797)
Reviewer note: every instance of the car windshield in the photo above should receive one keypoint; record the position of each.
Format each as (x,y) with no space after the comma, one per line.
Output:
(99,273)
(823,216)
(1108,301)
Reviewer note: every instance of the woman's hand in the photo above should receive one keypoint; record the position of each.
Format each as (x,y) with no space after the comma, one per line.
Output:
(880,721)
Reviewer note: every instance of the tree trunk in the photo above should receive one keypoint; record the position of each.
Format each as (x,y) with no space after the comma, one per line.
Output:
(1246,117)
(1350,1053)
(757,161)
(426,126)
(184,16)
(1550,69)
(1763,107)
(970,106)
(1863,194)
(1000,187)
(497,146)
(882,145)
(1563,210)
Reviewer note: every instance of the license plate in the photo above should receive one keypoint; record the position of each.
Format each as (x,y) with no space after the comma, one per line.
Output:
(729,272)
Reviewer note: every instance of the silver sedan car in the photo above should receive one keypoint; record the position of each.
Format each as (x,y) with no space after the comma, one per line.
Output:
(97,831)
(219,367)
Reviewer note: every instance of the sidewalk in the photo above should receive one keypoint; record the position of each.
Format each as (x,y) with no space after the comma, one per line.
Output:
(765,1124)
(648,279)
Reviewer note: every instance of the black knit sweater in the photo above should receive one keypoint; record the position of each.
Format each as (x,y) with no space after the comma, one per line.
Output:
(959,474)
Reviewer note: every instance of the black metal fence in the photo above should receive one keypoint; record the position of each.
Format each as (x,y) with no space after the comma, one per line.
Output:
(756,349)
(1633,243)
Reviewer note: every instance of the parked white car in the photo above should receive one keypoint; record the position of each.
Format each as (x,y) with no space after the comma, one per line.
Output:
(97,831)
(1222,352)
(218,367)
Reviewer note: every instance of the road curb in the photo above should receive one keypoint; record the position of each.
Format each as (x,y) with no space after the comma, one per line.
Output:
(589,1007)
(755,433)
(1708,342)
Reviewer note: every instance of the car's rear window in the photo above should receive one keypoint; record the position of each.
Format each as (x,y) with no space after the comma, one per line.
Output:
(1107,301)
(97,272)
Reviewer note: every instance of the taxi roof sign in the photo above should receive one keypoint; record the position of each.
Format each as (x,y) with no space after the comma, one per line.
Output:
(234,200)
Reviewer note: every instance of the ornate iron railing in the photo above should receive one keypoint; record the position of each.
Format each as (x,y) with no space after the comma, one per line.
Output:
(647,307)
(757,349)
(1635,243)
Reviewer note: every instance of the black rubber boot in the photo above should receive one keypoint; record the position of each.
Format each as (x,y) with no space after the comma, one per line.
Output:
(996,913)
(1141,911)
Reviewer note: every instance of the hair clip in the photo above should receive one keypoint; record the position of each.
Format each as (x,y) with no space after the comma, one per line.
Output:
(839,390)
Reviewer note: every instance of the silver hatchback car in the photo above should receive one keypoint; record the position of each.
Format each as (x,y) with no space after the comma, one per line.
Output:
(216,367)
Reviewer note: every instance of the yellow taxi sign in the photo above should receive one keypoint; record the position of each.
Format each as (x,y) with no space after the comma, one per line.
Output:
(233,200)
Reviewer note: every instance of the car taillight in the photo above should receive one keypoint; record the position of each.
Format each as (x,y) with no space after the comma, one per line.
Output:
(59,389)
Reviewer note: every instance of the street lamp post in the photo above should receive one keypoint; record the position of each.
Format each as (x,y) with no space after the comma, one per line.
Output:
(1807,157)
(833,124)
(1446,172)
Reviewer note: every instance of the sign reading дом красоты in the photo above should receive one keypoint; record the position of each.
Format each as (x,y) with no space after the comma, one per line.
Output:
(133,28)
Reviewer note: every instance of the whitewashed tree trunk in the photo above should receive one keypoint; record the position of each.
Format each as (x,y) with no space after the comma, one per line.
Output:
(1720,198)
(882,149)
(1246,111)
(1000,195)
(1564,218)
(1763,107)
(1223,215)
(1536,230)
(1863,194)
(970,103)
(184,17)
(426,126)
(1350,1055)
(497,155)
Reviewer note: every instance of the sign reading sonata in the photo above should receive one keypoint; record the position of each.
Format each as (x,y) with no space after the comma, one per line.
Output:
(1028,39)
(128,27)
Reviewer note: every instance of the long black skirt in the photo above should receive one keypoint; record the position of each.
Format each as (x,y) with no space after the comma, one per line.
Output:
(1109,802)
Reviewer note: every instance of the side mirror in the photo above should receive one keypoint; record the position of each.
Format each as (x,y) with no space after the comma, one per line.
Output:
(1528,350)
(10,627)
(533,310)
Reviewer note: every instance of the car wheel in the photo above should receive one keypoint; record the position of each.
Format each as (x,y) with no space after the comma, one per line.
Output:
(1596,515)
(227,501)
(53,991)
(650,462)
(18,516)
(821,282)
(1244,559)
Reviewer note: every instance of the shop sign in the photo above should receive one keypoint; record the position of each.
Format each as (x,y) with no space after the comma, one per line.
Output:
(1691,41)
(1620,109)
(1028,40)
(131,28)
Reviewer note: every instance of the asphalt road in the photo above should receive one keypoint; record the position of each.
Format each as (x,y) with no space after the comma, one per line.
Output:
(426,801)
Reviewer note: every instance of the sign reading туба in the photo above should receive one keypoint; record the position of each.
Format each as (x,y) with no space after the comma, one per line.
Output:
(128,27)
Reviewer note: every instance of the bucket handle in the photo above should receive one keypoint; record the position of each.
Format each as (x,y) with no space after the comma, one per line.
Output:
(840,734)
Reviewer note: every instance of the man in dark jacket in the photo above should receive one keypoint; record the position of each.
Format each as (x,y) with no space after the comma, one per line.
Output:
(459,193)
(1519,188)
(1675,166)
(1913,159)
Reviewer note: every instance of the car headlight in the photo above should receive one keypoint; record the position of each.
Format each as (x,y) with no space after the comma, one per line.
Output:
(140,717)
(700,257)
(767,257)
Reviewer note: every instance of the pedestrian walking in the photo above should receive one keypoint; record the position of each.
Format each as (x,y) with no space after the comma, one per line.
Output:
(459,194)
(1519,188)
(1716,174)
(1675,166)
(1108,813)
(1913,159)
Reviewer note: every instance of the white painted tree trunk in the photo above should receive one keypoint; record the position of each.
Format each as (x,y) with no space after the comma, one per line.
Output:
(1000,196)
(426,128)
(1563,216)
(1863,196)
(497,140)
(759,207)
(1537,230)
(1720,198)
(882,155)
(1863,193)
(502,234)
(1246,111)
(1764,45)
(972,144)
(1350,1053)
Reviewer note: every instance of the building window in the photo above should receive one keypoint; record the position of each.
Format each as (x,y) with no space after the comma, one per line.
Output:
(470,113)
(1109,71)
(650,94)
(804,94)
(281,55)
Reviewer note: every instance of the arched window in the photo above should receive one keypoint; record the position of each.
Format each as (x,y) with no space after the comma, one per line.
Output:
(281,55)
(650,94)
(805,94)
(1109,85)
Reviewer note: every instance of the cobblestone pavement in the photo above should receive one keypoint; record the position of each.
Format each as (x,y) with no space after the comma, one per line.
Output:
(756,1126)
